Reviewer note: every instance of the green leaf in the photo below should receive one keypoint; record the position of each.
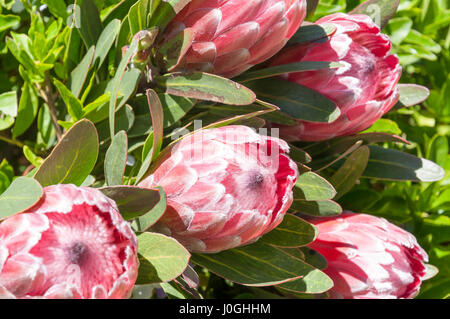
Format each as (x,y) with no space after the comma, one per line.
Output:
(439,150)
(381,11)
(314,258)
(348,174)
(311,6)
(46,131)
(28,109)
(8,21)
(296,100)
(22,194)
(174,107)
(6,122)
(166,11)
(412,94)
(157,135)
(292,232)
(134,202)
(97,110)
(80,73)
(57,8)
(173,51)
(314,282)
(8,103)
(385,126)
(19,46)
(399,28)
(389,164)
(360,200)
(257,265)
(74,106)
(342,144)
(106,41)
(90,23)
(312,33)
(207,87)
(116,83)
(285,69)
(137,16)
(161,258)
(116,159)
(119,11)
(147,220)
(312,187)
(321,208)
(299,155)
(73,158)
(31,157)
(4,182)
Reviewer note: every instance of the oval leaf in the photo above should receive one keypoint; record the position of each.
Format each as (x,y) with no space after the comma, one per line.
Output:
(315,282)
(73,159)
(22,194)
(292,232)
(389,164)
(296,100)
(313,32)
(321,208)
(207,87)
(311,187)
(412,94)
(116,159)
(349,173)
(136,202)
(286,68)
(258,264)
(161,258)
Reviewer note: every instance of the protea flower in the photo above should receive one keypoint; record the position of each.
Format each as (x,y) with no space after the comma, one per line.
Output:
(72,244)
(364,89)
(226,187)
(368,257)
(230,36)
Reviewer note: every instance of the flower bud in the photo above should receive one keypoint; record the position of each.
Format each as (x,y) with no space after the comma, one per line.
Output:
(225,187)
(72,244)
(364,89)
(368,257)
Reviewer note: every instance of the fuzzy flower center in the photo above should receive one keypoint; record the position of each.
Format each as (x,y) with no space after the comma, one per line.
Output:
(78,253)
(82,248)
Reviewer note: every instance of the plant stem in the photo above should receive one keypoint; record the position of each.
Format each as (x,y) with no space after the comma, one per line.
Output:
(11,141)
(50,98)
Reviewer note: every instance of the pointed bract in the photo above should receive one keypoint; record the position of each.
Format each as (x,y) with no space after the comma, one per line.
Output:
(369,258)
(225,187)
(364,89)
(71,244)
(231,36)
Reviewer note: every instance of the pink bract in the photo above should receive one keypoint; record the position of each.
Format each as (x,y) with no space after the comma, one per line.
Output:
(226,187)
(231,36)
(72,244)
(369,258)
(364,89)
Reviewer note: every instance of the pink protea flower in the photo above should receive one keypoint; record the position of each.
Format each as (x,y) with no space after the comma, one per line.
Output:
(368,257)
(72,244)
(364,89)
(226,187)
(230,36)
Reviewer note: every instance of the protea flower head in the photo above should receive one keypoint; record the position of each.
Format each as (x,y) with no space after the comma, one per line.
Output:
(368,257)
(71,244)
(226,187)
(364,89)
(230,36)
